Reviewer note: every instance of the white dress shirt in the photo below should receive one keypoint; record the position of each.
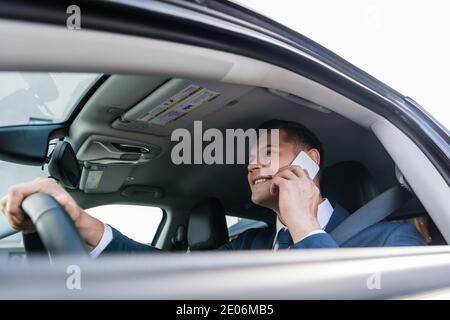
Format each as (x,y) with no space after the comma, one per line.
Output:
(104,241)
(324,212)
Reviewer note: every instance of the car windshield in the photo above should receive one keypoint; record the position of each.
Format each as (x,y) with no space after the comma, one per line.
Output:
(37,97)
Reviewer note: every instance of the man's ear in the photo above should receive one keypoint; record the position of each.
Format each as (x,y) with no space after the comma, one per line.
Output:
(315,155)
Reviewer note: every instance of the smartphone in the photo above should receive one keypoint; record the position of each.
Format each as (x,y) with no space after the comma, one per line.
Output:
(305,161)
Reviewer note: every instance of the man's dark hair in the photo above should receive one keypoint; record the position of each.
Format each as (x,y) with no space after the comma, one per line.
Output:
(296,131)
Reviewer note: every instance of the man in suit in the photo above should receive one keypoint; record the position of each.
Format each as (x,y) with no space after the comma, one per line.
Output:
(304,217)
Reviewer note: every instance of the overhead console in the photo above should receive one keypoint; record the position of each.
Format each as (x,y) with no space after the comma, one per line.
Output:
(176,103)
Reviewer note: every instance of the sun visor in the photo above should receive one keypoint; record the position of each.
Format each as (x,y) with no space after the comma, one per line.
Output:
(96,178)
(176,104)
(112,150)
(107,161)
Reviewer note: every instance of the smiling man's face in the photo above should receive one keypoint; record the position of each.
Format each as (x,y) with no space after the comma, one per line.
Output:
(260,172)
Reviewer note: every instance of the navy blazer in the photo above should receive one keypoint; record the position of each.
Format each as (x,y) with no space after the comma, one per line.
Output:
(382,234)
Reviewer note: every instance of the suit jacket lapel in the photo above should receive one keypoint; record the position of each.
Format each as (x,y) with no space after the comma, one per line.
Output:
(264,238)
(267,237)
(338,216)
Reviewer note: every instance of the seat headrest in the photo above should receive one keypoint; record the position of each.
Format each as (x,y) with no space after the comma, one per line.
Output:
(207,228)
(349,183)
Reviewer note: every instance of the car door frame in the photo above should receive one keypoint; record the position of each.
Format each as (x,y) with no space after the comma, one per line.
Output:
(200,25)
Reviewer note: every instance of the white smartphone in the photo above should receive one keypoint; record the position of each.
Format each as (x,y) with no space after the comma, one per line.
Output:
(305,161)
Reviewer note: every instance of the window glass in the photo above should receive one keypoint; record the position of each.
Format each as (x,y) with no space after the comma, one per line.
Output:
(38,97)
(136,222)
(236,225)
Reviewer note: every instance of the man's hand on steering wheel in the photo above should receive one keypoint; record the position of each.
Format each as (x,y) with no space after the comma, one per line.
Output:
(16,194)
(90,228)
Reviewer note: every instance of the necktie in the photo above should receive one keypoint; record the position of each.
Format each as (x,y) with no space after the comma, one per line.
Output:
(284,239)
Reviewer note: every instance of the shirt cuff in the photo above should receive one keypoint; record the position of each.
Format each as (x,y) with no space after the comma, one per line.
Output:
(104,241)
(316,241)
(312,233)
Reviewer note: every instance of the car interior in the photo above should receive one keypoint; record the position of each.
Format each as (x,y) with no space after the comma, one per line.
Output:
(133,159)
(123,160)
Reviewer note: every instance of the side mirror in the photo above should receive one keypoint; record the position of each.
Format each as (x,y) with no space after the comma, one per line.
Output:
(63,165)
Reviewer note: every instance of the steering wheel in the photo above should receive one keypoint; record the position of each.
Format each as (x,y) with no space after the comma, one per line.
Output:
(53,225)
